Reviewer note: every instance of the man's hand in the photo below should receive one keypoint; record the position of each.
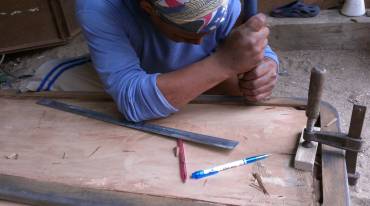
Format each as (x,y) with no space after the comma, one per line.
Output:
(243,49)
(257,84)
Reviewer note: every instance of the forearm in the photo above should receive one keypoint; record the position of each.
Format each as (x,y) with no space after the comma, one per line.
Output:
(182,86)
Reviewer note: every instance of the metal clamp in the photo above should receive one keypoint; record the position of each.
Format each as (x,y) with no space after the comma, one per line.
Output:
(334,139)
(350,142)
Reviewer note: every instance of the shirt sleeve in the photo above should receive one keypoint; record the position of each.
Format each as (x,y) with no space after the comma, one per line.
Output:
(269,53)
(135,92)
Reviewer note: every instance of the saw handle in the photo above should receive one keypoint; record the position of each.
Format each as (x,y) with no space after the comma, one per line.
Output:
(314,96)
(250,8)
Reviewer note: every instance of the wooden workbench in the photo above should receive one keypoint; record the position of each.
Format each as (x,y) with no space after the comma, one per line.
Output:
(60,148)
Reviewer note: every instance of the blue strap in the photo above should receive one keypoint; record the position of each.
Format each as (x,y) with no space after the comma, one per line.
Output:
(51,72)
(65,68)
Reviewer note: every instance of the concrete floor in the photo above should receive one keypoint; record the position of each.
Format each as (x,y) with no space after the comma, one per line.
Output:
(348,82)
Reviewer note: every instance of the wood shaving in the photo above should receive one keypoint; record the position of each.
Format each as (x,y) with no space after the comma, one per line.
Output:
(13,156)
(176,151)
(255,187)
(260,183)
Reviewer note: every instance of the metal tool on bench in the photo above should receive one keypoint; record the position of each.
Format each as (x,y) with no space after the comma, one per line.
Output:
(351,142)
(146,127)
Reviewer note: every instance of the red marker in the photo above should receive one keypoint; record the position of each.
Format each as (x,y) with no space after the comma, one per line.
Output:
(183,173)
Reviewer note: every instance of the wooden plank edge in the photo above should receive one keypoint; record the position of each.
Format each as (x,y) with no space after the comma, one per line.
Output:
(202,99)
(95,96)
(33,192)
(334,171)
(273,101)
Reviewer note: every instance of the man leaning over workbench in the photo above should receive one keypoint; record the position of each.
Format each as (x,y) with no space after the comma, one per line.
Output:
(155,56)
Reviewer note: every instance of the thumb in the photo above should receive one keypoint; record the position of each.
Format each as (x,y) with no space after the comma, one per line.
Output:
(256,23)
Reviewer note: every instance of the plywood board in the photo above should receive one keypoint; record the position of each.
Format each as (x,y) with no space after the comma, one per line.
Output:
(132,161)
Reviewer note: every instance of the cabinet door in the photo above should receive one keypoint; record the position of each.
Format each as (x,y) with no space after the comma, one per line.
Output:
(28,24)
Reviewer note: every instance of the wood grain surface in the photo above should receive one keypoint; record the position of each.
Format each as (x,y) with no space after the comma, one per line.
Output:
(60,147)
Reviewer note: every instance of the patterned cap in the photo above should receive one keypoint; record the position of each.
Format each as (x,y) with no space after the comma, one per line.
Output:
(199,16)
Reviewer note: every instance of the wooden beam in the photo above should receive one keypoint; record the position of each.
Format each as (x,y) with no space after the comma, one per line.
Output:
(334,171)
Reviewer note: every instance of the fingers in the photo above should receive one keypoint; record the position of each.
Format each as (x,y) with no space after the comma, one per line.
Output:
(261,90)
(259,82)
(254,45)
(261,38)
(264,43)
(257,73)
(243,49)
(254,36)
(258,26)
(259,97)
(257,22)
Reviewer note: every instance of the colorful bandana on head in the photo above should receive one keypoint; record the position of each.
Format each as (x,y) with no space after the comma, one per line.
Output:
(199,16)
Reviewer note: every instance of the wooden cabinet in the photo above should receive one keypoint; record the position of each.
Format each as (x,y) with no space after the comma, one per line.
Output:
(29,24)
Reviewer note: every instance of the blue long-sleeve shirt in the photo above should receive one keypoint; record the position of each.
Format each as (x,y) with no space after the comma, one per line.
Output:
(129,53)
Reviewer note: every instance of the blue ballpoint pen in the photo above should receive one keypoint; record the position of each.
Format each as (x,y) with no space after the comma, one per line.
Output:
(212,171)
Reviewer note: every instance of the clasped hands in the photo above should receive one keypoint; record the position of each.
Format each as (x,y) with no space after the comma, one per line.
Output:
(243,54)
